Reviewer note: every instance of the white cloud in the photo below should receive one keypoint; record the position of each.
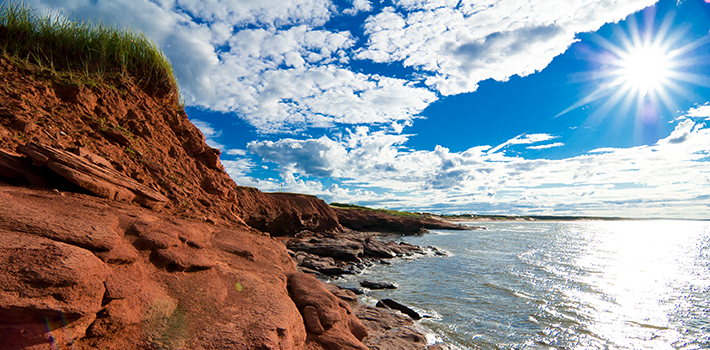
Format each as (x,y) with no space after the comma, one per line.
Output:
(549,145)
(530,138)
(605,181)
(272,63)
(462,43)
(523,139)
(702,111)
(236,152)
(282,76)
(358,6)
(262,12)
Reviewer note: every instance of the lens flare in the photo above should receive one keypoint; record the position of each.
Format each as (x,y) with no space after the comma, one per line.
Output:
(643,68)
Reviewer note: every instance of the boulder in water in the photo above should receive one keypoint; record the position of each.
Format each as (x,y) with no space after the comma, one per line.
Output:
(378,284)
(391,304)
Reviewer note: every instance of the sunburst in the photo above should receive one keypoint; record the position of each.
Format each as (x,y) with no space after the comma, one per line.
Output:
(645,67)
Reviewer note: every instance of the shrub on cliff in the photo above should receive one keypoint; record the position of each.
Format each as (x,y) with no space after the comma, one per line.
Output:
(82,49)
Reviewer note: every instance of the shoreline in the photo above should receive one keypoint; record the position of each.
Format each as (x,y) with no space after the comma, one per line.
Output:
(397,327)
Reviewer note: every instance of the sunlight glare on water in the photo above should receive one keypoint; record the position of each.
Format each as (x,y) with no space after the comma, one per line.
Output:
(636,268)
(562,285)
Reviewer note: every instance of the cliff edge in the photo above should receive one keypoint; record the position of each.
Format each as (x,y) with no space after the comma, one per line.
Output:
(120,229)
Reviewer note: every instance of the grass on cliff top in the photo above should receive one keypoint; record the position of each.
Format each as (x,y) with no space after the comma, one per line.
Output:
(82,51)
(391,212)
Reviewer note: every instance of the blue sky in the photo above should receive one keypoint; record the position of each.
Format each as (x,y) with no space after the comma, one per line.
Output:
(585,107)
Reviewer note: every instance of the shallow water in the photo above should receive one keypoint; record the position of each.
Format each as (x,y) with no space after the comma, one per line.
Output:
(569,285)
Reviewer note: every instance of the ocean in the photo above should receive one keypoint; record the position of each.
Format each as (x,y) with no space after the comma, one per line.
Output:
(559,285)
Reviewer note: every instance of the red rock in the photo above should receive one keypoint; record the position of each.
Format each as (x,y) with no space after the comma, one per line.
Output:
(310,317)
(341,329)
(110,303)
(182,259)
(118,136)
(50,283)
(103,182)
(24,126)
(98,160)
(369,220)
(285,214)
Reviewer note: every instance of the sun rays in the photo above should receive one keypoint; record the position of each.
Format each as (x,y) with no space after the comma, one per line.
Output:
(644,69)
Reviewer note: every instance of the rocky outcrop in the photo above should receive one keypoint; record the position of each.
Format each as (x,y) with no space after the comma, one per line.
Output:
(370,220)
(394,305)
(114,139)
(388,329)
(95,273)
(120,229)
(94,174)
(345,254)
(329,320)
(83,266)
(285,214)
(379,284)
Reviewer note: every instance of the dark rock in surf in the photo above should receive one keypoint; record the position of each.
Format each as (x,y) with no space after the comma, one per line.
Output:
(378,285)
(391,304)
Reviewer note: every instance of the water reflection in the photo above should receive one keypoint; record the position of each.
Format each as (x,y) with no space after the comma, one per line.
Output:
(577,285)
(640,272)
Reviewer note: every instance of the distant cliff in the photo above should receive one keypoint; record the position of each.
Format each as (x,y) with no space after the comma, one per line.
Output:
(376,221)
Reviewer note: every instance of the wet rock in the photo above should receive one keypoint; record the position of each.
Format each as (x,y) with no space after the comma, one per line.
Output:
(391,330)
(356,290)
(379,284)
(391,304)
(378,249)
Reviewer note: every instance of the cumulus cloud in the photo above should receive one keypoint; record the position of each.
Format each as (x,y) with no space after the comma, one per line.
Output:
(358,6)
(463,42)
(273,63)
(702,111)
(662,173)
(267,61)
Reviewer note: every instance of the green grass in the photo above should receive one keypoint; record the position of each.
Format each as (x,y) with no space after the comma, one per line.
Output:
(81,49)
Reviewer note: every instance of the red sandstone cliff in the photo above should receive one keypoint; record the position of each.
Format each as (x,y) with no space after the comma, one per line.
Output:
(369,220)
(120,229)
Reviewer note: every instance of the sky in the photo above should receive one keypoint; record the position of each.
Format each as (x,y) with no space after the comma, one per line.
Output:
(518,107)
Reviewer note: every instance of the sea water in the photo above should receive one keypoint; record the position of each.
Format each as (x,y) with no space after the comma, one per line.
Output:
(560,285)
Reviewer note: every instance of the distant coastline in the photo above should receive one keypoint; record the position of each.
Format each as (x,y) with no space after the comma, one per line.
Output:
(501,218)
(505,218)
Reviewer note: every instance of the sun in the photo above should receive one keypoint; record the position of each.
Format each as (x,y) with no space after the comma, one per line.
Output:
(645,69)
